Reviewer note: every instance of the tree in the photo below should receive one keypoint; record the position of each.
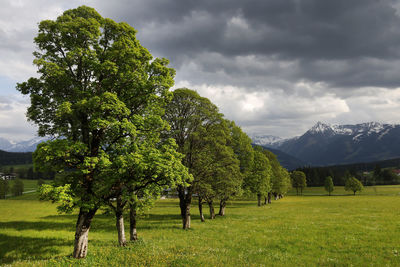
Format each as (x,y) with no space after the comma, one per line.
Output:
(240,143)
(352,184)
(298,181)
(18,187)
(329,184)
(140,175)
(30,174)
(97,87)
(231,151)
(40,182)
(259,179)
(280,178)
(190,117)
(4,188)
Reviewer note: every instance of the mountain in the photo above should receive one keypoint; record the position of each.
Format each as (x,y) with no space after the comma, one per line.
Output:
(21,146)
(287,161)
(265,140)
(326,144)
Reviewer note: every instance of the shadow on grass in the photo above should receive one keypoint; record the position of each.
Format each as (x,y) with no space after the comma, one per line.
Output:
(13,248)
(38,226)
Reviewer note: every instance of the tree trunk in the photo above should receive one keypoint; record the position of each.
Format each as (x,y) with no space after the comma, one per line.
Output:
(276,196)
(185,199)
(82,233)
(269,197)
(354,192)
(265,200)
(121,229)
(132,217)
(212,212)
(280,196)
(120,222)
(201,209)
(259,200)
(222,205)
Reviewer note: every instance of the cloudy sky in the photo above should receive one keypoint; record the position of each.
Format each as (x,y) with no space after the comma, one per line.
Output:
(274,67)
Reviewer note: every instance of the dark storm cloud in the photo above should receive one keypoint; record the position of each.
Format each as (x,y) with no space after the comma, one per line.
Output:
(358,35)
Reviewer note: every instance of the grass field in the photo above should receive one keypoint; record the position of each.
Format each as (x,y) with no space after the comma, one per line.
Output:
(311,230)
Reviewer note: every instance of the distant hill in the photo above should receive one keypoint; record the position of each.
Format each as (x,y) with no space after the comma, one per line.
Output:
(287,161)
(326,144)
(15,158)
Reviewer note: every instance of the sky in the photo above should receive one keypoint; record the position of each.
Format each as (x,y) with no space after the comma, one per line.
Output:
(274,67)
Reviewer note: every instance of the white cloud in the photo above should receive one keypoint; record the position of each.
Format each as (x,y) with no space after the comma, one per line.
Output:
(13,122)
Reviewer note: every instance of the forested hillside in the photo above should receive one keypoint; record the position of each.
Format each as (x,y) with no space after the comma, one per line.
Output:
(15,158)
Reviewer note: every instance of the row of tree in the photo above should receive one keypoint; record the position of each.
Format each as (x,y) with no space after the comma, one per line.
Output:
(340,174)
(120,137)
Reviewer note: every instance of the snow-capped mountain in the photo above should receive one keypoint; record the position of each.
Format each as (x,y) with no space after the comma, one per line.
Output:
(265,140)
(326,144)
(20,146)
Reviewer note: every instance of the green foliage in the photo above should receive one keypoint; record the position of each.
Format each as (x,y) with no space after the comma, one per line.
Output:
(201,134)
(40,182)
(103,93)
(4,188)
(298,181)
(329,185)
(280,177)
(59,194)
(352,184)
(18,187)
(259,179)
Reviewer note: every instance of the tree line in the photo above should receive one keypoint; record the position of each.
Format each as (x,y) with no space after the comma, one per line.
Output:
(28,173)
(121,136)
(340,174)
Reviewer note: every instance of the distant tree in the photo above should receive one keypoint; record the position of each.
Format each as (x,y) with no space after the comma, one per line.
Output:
(298,181)
(388,176)
(40,182)
(4,188)
(352,184)
(30,174)
(18,187)
(21,173)
(329,184)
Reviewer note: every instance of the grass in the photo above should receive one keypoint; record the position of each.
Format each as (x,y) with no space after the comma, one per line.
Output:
(30,186)
(313,230)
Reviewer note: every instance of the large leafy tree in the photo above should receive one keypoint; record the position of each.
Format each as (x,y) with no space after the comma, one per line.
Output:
(258,181)
(217,168)
(192,119)
(240,143)
(280,178)
(96,87)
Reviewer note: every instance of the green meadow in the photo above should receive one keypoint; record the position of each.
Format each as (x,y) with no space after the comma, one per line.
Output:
(309,230)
